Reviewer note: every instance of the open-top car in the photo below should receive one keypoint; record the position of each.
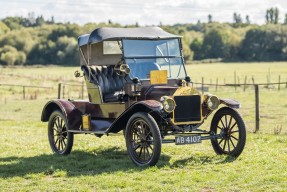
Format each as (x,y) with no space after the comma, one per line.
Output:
(137,83)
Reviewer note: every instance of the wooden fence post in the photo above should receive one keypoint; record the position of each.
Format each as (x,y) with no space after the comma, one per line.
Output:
(63,91)
(235,80)
(245,81)
(59,90)
(24,92)
(202,84)
(279,83)
(257,112)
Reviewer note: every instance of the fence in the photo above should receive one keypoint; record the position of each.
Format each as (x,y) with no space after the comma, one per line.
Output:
(62,86)
(26,86)
(264,106)
(268,98)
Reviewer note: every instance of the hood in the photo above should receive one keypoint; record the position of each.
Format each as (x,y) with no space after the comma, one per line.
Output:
(155,92)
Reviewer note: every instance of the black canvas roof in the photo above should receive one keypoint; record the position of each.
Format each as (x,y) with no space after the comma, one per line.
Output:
(106,33)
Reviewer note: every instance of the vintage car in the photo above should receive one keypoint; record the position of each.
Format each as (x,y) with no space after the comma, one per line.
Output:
(137,83)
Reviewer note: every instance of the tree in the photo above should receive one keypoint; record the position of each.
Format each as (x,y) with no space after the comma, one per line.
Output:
(247,19)
(31,18)
(196,47)
(67,51)
(10,56)
(187,53)
(276,15)
(40,21)
(3,28)
(69,30)
(209,18)
(272,15)
(52,20)
(20,39)
(214,44)
(265,44)
(43,52)
(13,22)
(237,18)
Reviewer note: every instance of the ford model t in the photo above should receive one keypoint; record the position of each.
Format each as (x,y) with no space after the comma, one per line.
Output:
(137,83)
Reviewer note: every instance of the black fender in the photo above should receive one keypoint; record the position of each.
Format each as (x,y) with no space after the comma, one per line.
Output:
(69,110)
(230,103)
(152,107)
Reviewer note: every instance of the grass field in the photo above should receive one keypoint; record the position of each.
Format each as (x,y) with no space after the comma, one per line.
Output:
(102,164)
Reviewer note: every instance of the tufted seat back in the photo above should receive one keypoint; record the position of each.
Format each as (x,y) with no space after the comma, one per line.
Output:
(109,82)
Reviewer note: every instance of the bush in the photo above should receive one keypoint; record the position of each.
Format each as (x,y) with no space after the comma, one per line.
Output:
(10,56)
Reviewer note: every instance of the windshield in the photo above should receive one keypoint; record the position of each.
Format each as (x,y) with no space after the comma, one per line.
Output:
(142,56)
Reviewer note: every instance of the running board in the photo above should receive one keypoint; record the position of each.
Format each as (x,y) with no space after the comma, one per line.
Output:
(88,132)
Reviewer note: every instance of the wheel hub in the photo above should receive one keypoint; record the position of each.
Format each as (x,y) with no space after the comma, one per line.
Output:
(225,133)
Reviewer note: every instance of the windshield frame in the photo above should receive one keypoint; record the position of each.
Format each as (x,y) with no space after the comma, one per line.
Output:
(180,56)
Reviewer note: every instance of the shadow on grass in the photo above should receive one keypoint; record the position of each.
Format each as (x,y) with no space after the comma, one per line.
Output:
(91,163)
(75,164)
(200,160)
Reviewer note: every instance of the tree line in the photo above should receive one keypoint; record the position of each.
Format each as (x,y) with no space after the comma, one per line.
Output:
(36,40)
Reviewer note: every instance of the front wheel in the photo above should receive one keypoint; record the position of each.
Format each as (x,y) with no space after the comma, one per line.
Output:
(229,124)
(143,139)
(61,141)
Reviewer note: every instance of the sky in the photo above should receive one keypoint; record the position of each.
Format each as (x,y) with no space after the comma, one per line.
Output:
(147,12)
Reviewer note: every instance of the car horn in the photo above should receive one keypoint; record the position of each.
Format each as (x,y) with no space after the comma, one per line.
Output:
(122,69)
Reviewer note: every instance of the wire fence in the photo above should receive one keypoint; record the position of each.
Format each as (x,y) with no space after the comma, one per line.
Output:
(25,90)
(31,92)
(263,106)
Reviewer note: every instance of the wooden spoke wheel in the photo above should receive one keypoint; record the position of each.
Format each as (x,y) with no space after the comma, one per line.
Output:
(143,139)
(229,124)
(61,141)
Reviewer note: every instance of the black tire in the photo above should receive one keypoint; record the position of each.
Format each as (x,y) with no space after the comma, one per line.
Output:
(143,139)
(229,124)
(61,141)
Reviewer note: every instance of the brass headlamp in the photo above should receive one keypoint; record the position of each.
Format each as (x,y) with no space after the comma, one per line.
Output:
(168,104)
(212,102)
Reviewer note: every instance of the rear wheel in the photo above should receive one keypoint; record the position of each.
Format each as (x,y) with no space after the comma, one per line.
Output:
(229,124)
(61,141)
(143,139)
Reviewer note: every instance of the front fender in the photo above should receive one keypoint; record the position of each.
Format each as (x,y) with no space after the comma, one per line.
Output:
(72,114)
(149,106)
(230,103)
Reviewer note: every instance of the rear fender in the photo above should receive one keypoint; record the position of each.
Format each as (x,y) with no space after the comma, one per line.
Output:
(230,103)
(72,114)
(152,107)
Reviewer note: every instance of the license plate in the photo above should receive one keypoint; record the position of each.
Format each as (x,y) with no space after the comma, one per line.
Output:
(182,140)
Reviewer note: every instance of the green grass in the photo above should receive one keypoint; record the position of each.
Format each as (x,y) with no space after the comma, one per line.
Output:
(224,72)
(102,164)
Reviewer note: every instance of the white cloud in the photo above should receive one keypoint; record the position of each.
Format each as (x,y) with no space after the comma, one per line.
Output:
(148,12)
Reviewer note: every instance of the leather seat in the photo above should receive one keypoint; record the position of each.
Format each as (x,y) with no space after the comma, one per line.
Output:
(110,83)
